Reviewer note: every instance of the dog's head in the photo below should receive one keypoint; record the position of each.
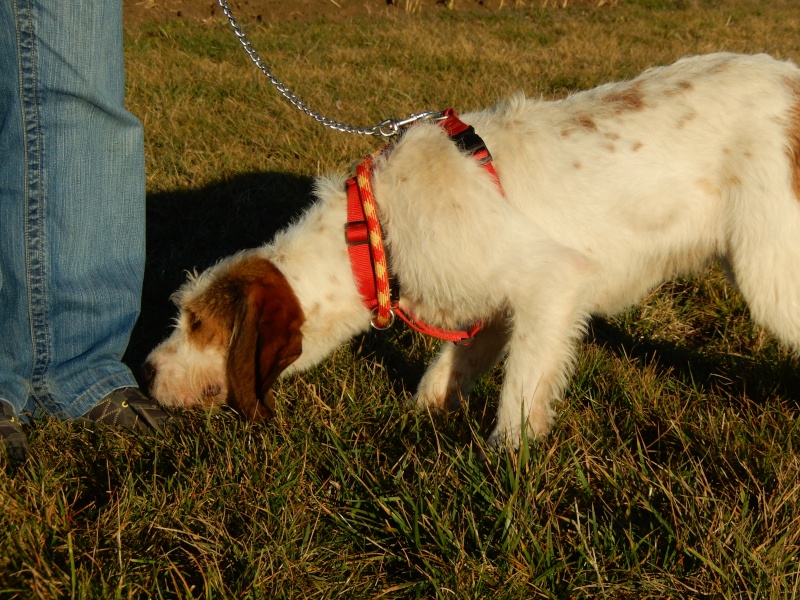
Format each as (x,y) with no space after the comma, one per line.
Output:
(237,329)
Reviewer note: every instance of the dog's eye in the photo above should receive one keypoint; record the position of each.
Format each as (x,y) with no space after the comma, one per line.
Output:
(194,322)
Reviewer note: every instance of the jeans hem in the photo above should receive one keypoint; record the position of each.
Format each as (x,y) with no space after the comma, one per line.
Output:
(92,397)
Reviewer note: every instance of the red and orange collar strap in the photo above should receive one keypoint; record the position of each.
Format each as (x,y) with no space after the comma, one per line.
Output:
(365,239)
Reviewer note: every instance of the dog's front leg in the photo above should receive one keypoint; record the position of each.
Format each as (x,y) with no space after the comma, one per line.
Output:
(455,370)
(548,319)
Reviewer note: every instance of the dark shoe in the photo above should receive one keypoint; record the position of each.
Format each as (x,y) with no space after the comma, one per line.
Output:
(128,408)
(12,438)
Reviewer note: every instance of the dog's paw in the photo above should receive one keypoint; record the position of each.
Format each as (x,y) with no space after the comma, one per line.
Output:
(504,439)
(446,400)
(438,391)
(509,435)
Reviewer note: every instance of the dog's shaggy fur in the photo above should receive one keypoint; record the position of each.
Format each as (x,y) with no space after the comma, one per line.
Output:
(607,193)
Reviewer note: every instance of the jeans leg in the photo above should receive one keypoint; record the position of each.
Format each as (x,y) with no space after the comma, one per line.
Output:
(15,347)
(72,204)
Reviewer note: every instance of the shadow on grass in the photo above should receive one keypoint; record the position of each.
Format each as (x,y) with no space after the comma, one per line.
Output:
(759,376)
(193,229)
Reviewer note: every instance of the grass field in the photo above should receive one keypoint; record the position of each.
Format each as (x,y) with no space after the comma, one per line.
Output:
(674,468)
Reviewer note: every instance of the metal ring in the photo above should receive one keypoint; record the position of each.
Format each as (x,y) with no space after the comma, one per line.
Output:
(374,315)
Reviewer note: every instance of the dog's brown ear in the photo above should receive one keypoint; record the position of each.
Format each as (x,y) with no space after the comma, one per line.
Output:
(266,339)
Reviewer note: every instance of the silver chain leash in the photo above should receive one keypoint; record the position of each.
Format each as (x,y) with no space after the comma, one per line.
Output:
(386,128)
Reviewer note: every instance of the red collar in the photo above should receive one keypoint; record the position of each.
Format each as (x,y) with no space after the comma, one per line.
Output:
(365,239)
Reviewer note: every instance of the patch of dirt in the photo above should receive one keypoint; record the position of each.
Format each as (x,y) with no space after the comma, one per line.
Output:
(138,11)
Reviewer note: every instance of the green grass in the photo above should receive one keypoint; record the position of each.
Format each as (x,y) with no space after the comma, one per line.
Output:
(673,470)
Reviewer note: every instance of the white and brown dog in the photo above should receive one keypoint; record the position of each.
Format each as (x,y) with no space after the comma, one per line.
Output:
(605,194)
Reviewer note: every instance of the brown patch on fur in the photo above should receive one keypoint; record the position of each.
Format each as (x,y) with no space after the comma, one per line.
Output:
(680,87)
(209,316)
(708,186)
(204,329)
(793,135)
(628,100)
(577,123)
(585,122)
(637,146)
(314,311)
(685,119)
(256,309)
(577,165)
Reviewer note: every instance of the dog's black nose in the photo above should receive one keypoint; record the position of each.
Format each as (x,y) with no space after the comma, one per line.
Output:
(148,373)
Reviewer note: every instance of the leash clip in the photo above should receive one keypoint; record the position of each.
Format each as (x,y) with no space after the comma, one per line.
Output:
(391,127)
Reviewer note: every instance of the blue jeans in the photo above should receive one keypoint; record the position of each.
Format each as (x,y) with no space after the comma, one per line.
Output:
(72,206)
